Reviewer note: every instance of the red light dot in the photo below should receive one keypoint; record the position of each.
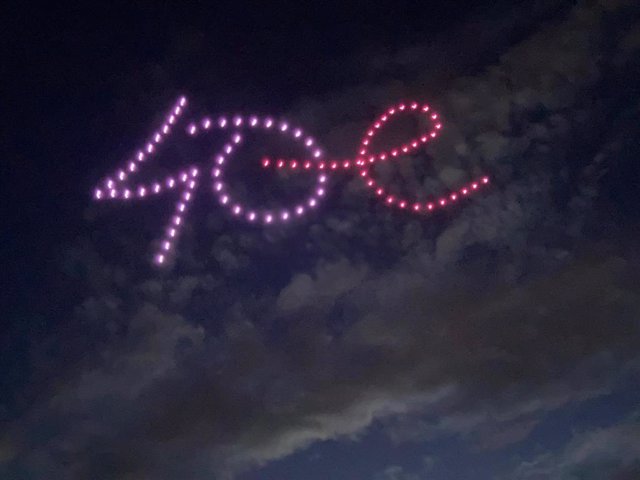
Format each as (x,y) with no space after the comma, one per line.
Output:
(416,206)
(430,206)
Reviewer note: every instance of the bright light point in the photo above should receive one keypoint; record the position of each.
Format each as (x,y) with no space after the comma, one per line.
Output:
(172,232)
(140,156)
(430,206)
(312,202)
(166,245)
(184,177)
(425,108)
(402,107)
(443,202)
(98,194)
(474,186)
(414,106)
(320,192)
(177,220)
(416,206)
(149,148)
(322,179)
(165,129)
(283,127)
(194,172)
(160,259)
(172,120)
(434,116)
(317,153)
(171,182)
(177,111)
(220,159)
(297,133)
(192,129)
(142,191)
(265,162)
(156,188)
(439,126)
(308,142)
(109,183)
(454,197)
(389,199)
(187,196)
(485,180)
(285,215)
(224,199)
(206,123)
(465,191)
(183,101)
(237,121)
(237,138)
(268,218)
(121,175)
(218,186)
(268,123)
(402,204)
(251,216)
(222,122)
(379,191)
(228,149)
(237,210)
(181,207)
(299,210)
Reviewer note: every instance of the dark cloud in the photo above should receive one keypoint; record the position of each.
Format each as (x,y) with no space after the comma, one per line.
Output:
(476,326)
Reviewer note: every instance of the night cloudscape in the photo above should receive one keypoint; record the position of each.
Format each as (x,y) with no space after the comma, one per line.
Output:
(498,338)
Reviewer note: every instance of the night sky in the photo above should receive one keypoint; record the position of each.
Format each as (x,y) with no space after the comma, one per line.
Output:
(498,339)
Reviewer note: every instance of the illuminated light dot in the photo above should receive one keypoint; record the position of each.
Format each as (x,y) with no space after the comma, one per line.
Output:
(294,164)
(474,186)
(383,156)
(370,133)
(192,129)
(160,259)
(285,215)
(224,199)
(228,149)
(465,191)
(317,153)
(142,192)
(132,167)
(181,207)
(402,204)
(308,142)
(405,149)
(192,184)
(442,202)
(206,123)
(372,159)
(268,218)
(265,162)
(187,196)
(177,220)
(113,193)
(370,183)
(172,232)
(237,121)
(184,177)
(251,216)
(320,192)
(334,165)
(439,126)
(485,180)
(425,108)
(307,165)
(363,152)
(430,206)
(183,101)
(194,172)
(414,144)
(363,173)
(166,245)
(171,119)
(280,163)
(165,129)
(383,118)
(454,197)
(394,153)
(321,165)
(322,178)
(237,138)
(127,194)
(284,127)
(312,202)
(297,133)
(433,134)
(379,191)
(220,159)
(414,105)
(157,137)
(416,206)
(253,121)
(149,148)
(177,111)
(392,111)
(237,210)
(402,107)
(366,143)
(121,175)
(434,116)
(390,199)
(216,172)
(109,183)
(156,188)
(268,123)
(218,186)
(299,210)
(222,122)
(376,125)
(424,138)
(98,194)
(140,156)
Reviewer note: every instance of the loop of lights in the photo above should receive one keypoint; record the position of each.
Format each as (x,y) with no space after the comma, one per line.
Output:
(116,187)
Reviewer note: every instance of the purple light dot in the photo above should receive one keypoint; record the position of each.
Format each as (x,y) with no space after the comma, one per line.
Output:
(285,215)
(171,183)
(237,121)
(98,194)
(157,137)
(228,149)
(140,156)
(181,207)
(216,172)
(113,193)
(323,178)
(206,123)
(166,245)
(237,138)
(187,196)
(184,177)
(237,210)
(156,188)
(160,259)
(251,216)
(268,123)
(312,202)
(172,232)
(192,184)
(268,218)
(110,183)
(218,186)
(194,172)
(299,210)
(297,133)
(127,194)
(220,159)
(149,148)
(171,119)
(317,153)
(309,142)
(183,101)
(320,192)
(253,122)
(224,199)
(283,127)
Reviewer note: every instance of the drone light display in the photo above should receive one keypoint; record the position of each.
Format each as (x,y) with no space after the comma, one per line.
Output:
(118,187)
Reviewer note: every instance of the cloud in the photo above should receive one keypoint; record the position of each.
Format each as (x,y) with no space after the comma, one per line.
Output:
(472,326)
(610,453)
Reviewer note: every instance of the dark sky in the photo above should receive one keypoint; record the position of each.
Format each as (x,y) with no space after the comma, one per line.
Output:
(498,340)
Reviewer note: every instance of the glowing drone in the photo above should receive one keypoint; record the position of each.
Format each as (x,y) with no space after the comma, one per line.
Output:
(116,186)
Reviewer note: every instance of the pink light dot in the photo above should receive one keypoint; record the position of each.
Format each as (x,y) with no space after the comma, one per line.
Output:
(370,183)
(383,156)
(405,149)
(237,209)
(363,173)
(253,121)
(389,199)
(224,199)
(439,126)
(206,123)
(184,177)
(297,133)
(192,184)
(317,153)
(485,180)
(142,192)
(216,172)
(307,165)
(268,218)
(454,197)
(363,152)
(379,191)
(140,156)
(183,101)
(299,210)
(194,172)
(320,192)
(171,119)
(181,207)
(160,259)
(284,127)
(172,232)
(222,122)
(228,149)
(236,138)
(98,194)
(425,108)
(171,182)
(280,163)
(149,148)
(157,138)
(465,191)
(268,123)
(334,165)
(346,164)
(384,118)
(430,206)
(424,139)
(285,215)
(165,129)
(312,202)
(294,164)
(265,162)
(434,116)
(121,175)
(433,134)
(416,206)
(187,196)
(443,202)
(414,105)
(156,188)
(177,110)
(132,167)
(322,179)
(251,216)
(220,159)
(237,121)
(109,183)
(414,144)
(166,245)
(402,107)
(177,220)
(218,186)
(392,111)
(308,142)
(474,186)
(402,204)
